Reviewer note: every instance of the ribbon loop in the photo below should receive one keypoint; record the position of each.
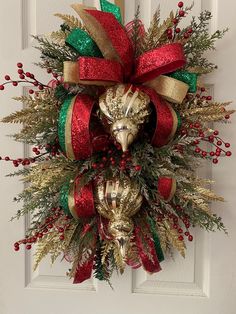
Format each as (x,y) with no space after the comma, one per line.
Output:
(163,60)
(93,71)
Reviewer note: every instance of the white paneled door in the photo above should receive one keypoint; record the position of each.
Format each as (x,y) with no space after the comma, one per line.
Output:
(204,282)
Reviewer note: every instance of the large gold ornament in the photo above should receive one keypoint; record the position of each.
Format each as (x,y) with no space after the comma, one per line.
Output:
(126,111)
(118,200)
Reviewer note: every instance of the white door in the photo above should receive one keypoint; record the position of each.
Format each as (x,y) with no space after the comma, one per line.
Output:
(205,282)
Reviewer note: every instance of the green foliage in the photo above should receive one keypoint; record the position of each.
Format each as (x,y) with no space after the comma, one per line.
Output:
(201,41)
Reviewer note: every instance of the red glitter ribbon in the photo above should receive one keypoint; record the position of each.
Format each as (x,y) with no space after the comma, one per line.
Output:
(164,116)
(118,37)
(97,69)
(163,60)
(150,265)
(80,135)
(84,202)
(84,271)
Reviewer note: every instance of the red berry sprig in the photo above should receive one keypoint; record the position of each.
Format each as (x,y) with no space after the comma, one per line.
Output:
(27,78)
(47,226)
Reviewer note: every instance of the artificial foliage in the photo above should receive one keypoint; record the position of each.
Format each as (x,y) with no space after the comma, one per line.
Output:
(113,189)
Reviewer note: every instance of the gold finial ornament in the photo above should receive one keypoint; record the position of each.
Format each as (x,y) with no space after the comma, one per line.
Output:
(125,111)
(118,200)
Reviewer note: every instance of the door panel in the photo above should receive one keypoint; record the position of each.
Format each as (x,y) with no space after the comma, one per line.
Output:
(204,282)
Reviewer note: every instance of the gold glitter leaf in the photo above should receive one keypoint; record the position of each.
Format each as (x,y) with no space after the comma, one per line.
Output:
(70,20)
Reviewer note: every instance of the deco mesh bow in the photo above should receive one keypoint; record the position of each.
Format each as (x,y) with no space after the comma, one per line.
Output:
(117,135)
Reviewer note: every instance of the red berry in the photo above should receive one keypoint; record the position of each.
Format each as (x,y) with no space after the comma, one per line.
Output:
(209,98)
(31,91)
(40,87)
(197,125)
(181,238)
(16,248)
(227,117)
(61,230)
(186,233)
(211,138)
(21,77)
(14,83)
(16,244)
(228,154)
(40,235)
(2,87)
(62,237)
(180,230)
(104,158)
(190,30)
(215,161)
(212,154)
(203,89)
(197,150)
(7,158)
(216,132)
(175,21)
(19,65)
(36,83)
(138,168)
(55,75)
(227,145)
(186,35)
(219,143)
(49,70)
(7,78)
(169,31)
(28,74)
(101,166)
(190,238)
(20,71)
(204,154)
(175,226)
(94,166)
(181,13)
(180,4)
(177,30)
(218,154)
(28,247)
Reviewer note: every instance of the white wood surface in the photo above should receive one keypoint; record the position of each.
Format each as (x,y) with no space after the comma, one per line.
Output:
(205,282)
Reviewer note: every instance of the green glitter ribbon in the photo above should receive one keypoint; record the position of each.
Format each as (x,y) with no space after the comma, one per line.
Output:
(156,240)
(188,78)
(62,122)
(179,120)
(83,43)
(64,198)
(107,6)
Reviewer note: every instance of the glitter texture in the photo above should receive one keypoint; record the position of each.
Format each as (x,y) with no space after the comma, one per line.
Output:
(165,59)
(84,203)
(118,37)
(64,198)
(96,69)
(62,123)
(111,8)
(188,78)
(83,43)
(80,135)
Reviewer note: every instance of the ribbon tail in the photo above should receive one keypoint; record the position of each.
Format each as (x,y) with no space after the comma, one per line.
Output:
(150,265)
(84,271)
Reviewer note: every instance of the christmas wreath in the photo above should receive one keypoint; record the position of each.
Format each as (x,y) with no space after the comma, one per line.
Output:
(117,136)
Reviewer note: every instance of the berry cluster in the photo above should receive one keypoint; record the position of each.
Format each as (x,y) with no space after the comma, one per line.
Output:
(27,78)
(51,223)
(113,158)
(173,32)
(178,222)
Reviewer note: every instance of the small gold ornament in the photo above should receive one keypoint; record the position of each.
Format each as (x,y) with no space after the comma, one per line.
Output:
(126,111)
(118,200)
